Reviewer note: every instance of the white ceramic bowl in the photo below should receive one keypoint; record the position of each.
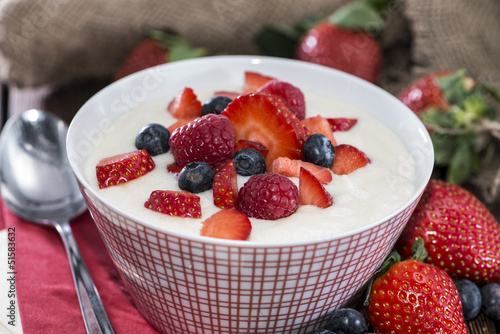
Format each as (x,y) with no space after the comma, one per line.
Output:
(188,284)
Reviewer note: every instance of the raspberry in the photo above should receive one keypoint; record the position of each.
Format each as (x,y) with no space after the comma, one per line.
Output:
(268,196)
(207,139)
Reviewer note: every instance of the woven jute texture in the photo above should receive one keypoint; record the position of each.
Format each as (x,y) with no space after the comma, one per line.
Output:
(57,41)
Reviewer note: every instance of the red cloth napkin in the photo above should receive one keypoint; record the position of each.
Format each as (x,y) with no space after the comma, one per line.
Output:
(45,290)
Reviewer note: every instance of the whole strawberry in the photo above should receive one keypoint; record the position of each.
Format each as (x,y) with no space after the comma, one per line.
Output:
(460,234)
(351,51)
(157,48)
(455,109)
(346,40)
(207,139)
(414,297)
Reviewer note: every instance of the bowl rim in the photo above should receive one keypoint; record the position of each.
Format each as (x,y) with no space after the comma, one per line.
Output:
(252,59)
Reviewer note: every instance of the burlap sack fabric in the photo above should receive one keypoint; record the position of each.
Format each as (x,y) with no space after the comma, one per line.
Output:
(56,41)
(59,41)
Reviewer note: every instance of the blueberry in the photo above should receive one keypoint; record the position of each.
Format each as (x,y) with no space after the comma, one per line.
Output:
(196,177)
(215,105)
(319,150)
(470,295)
(249,161)
(153,138)
(346,321)
(321,331)
(491,300)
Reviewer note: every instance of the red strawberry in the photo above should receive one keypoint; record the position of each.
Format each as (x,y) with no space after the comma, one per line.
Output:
(225,186)
(425,92)
(312,192)
(255,80)
(174,203)
(207,139)
(347,159)
(227,224)
(185,104)
(351,51)
(461,235)
(268,196)
(180,122)
(156,49)
(319,124)
(291,168)
(415,297)
(123,168)
(242,143)
(291,96)
(342,124)
(262,118)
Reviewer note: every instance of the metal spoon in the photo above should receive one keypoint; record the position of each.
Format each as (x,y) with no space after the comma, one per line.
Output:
(38,185)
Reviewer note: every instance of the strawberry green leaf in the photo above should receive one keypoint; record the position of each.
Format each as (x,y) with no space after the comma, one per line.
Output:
(418,251)
(358,16)
(454,87)
(493,92)
(462,162)
(378,4)
(444,146)
(440,118)
(178,47)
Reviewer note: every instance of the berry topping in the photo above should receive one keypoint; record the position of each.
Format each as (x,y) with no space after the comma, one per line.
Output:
(490,296)
(268,196)
(347,159)
(153,138)
(174,203)
(347,320)
(254,80)
(215,105)
(242,143)
(291,96)
(123,168)
(342,124)
(319,124)
(227,224)
(249,162)
(225,185)
(262,118)
(174,169)
(209,139)
(196,177)
(185,104)
(231,95)
(291,168)
(319,150)
(311,191)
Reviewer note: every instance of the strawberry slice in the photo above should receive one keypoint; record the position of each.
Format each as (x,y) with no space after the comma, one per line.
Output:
(291,96)
(174,169)
(242,143)
(122,168)
(262,118)
(341,123)
(311,191)
(174,203)
(180,122)
(254,80)
(232,95)
(227,224)
(185,104)
(291,168)
(225,186)
(318,124)
(347,159)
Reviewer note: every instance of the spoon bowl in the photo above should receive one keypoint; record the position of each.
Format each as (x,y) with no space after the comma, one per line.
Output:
(38,185)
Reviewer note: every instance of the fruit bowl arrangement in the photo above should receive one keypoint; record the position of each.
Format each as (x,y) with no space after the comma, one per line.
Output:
(191,283)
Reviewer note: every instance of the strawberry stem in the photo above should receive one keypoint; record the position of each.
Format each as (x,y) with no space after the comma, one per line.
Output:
(362,15)
(178,47)
(389,261)
(418,250)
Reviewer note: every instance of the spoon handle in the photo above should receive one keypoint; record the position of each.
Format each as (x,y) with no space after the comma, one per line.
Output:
(94,315)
